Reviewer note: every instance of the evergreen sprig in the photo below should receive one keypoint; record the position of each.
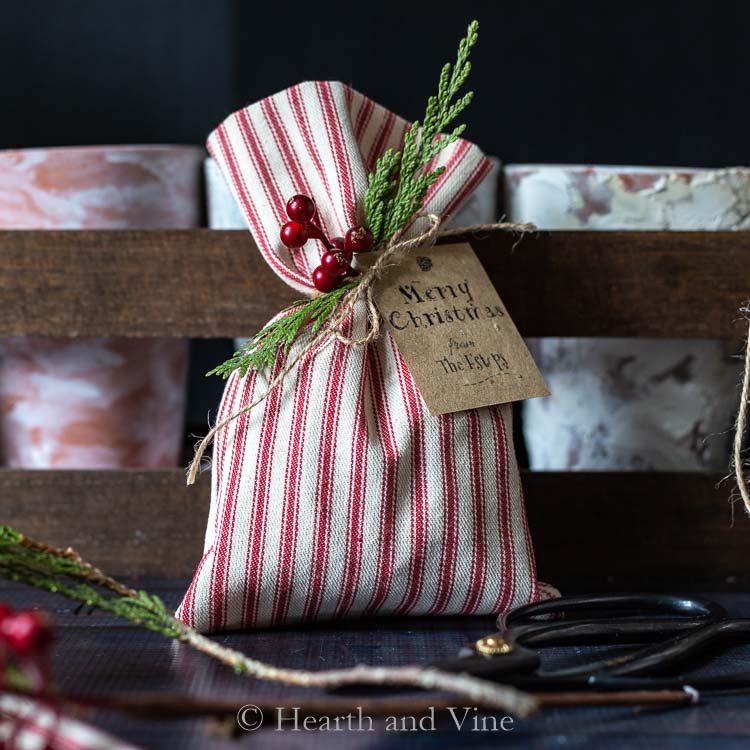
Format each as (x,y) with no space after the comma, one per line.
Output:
(56,571)
(400,182)
(261,350)
(395,193)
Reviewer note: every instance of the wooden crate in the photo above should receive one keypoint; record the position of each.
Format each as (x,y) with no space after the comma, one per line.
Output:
(591,530)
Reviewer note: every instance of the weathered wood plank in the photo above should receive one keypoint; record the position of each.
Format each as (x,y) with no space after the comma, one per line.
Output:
(204,283)
(601,530)
(596,530)
(129,522)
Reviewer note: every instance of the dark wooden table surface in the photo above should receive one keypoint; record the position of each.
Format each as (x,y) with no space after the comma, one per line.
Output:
(98,653)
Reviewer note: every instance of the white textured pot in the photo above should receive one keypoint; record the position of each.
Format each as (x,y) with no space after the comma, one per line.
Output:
(630,403)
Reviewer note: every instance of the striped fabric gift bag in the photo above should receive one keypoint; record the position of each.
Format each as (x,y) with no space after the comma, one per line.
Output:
(340,495)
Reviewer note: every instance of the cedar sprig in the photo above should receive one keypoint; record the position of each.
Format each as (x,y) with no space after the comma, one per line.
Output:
(262,349)
(63,572)
(401,180)
(395,193)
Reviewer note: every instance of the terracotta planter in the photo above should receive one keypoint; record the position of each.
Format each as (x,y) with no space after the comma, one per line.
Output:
(630,403)
(95,402)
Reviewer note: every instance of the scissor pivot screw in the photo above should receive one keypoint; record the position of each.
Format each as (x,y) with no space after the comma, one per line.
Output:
(493,645)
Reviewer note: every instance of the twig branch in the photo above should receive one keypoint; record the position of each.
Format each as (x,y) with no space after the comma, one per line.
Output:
(169,706)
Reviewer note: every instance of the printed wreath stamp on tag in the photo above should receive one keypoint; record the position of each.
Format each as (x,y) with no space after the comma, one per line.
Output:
(450,325)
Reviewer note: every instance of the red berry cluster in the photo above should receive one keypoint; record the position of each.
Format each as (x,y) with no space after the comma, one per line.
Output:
(336,262)
(23,632)
(25,635)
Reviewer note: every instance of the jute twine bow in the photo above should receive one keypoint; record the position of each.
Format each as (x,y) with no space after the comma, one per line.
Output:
(389,256)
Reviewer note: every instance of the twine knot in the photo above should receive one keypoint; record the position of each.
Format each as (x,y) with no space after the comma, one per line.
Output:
(388,257)
(395,248)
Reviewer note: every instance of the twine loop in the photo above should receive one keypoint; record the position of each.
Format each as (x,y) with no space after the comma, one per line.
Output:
(389,256)
(739,432)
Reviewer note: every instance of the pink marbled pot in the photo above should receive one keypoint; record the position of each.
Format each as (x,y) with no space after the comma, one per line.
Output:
(95,402)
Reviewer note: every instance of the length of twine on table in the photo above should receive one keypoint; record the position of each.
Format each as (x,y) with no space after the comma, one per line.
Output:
(739,433)
(390,256)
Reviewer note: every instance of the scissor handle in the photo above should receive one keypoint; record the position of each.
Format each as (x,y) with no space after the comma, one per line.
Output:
(668,630)
(604,606)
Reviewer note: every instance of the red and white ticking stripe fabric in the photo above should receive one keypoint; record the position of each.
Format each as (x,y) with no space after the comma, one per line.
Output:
(27,724)
(340,495)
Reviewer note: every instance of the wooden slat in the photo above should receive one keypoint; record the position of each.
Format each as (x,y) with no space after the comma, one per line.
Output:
(605,531)
(203,283)
(129,522)
(594,531)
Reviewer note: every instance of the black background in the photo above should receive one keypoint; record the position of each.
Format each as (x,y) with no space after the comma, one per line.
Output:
(607,82)
(603,82)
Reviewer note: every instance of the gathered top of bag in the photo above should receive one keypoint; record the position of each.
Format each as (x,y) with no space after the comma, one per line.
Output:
(322,139)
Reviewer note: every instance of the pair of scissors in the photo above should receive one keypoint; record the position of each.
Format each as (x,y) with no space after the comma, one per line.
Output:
(663,633)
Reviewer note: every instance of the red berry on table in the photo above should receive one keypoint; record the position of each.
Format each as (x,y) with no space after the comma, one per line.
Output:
(300,208)
(293,234)
(25,631)
(359,240)
(323,280)
(336,263)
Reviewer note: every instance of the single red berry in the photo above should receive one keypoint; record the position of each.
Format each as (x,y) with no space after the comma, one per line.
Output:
(336,263)
(25,631)
(293,234)
(300,208)
(323,280)
(340,244)
(359,240)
